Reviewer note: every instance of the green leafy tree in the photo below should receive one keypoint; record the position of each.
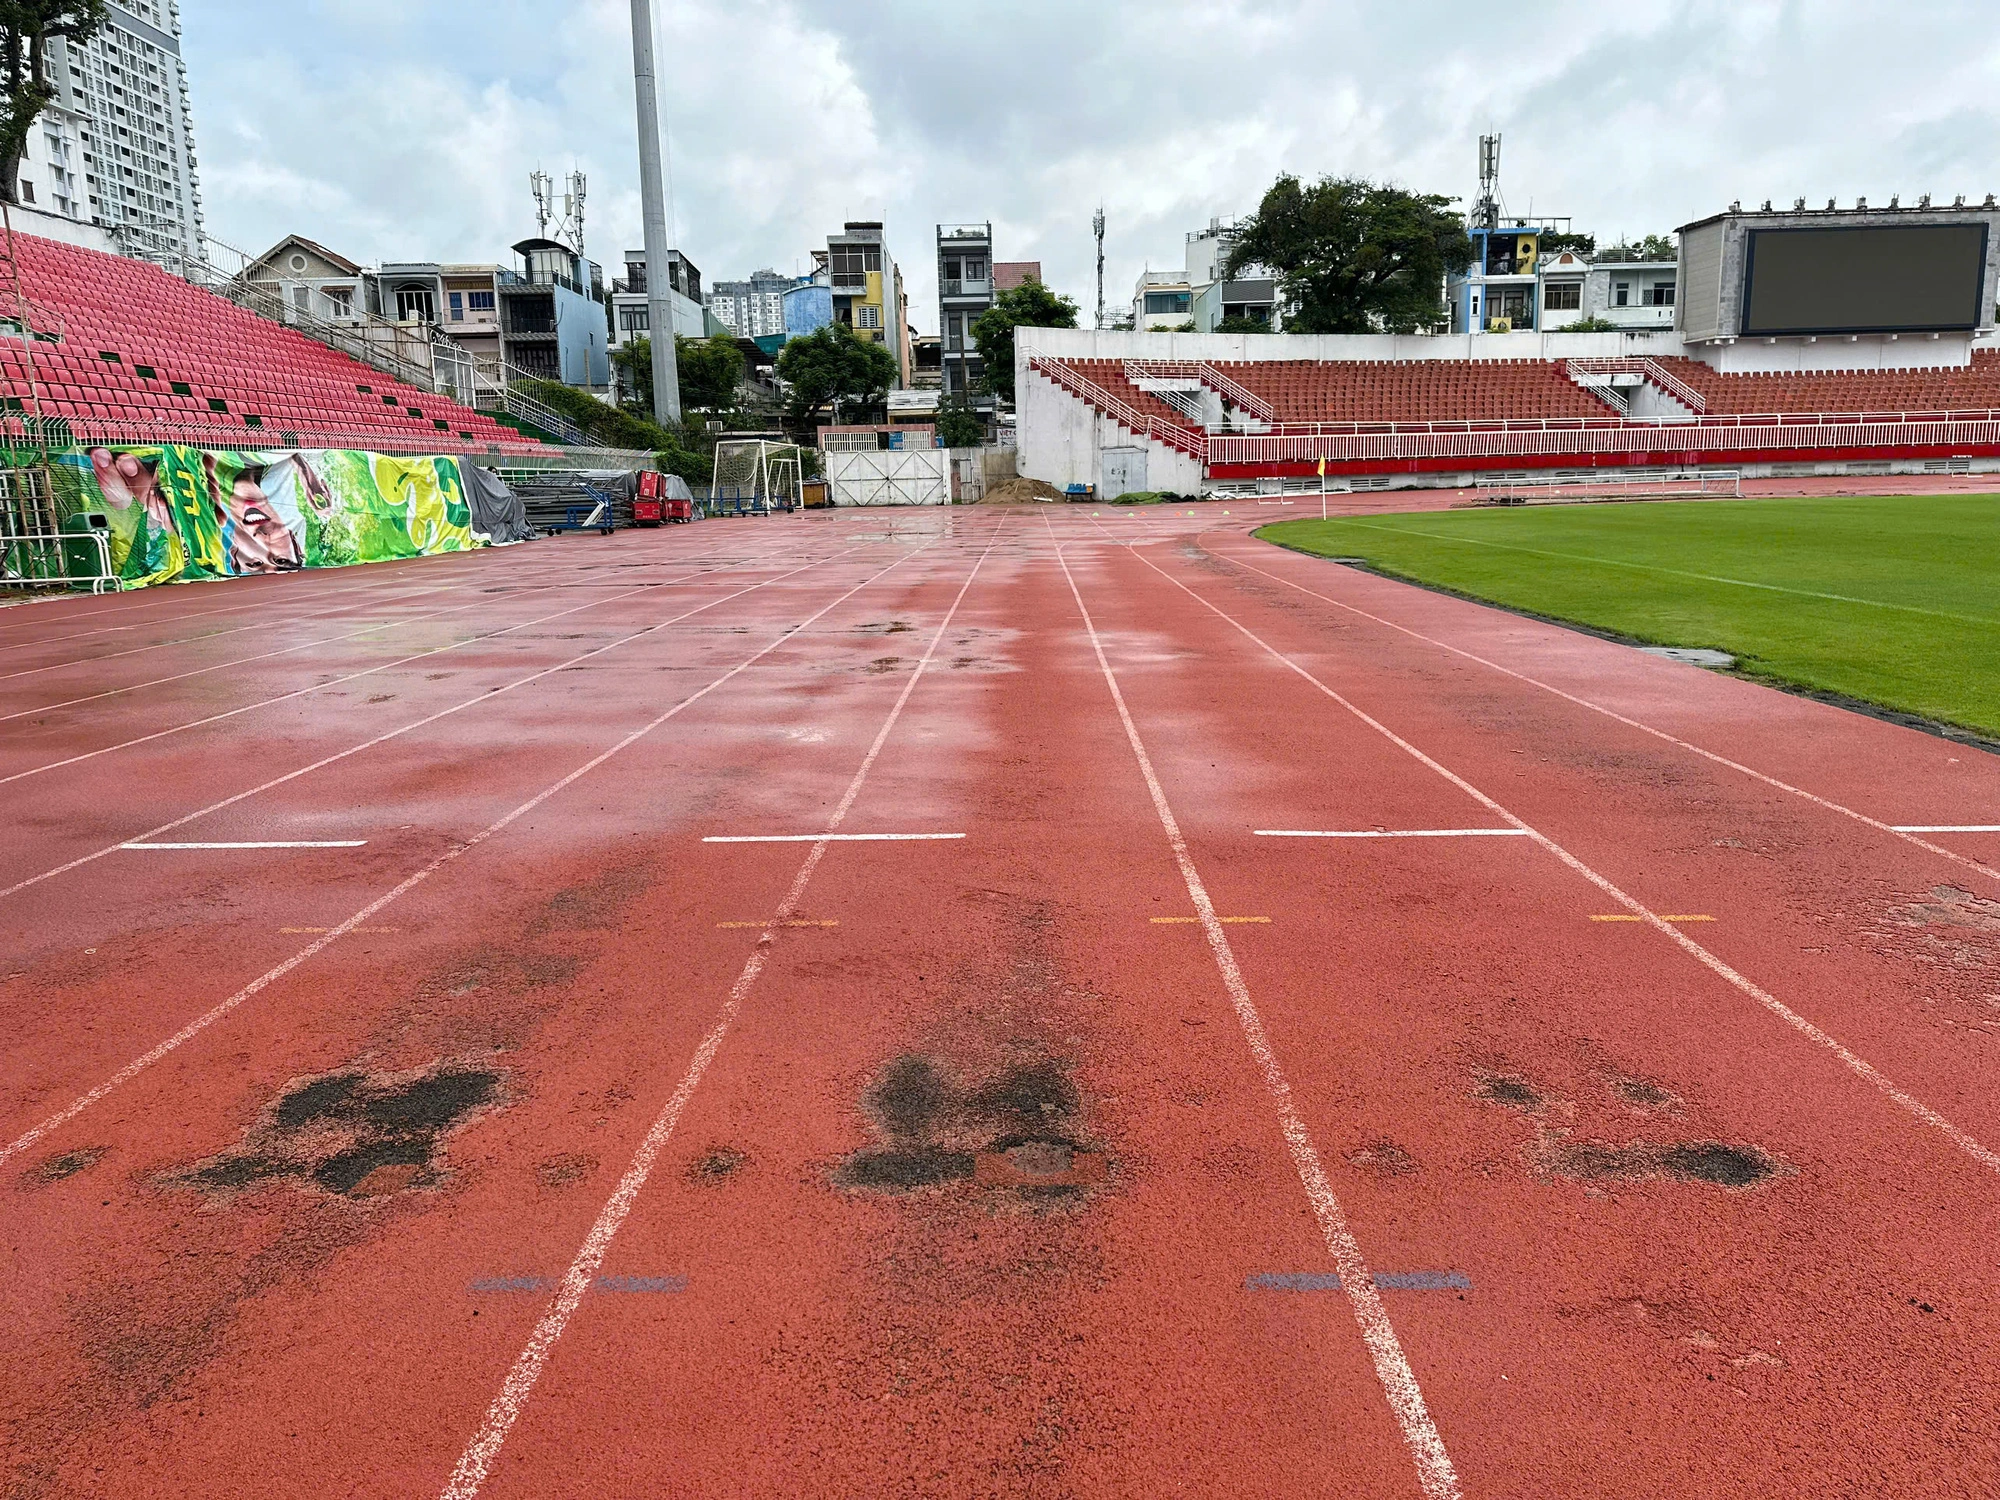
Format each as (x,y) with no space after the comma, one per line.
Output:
(26,27)
(710,371)
(1243,325)
(958,425)
(1588,325)
(1029,305)
(1646,247)
(1353,256)
(833,370)
(1553,242)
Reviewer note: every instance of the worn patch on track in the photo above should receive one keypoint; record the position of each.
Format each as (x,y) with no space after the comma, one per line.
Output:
(1713,1162)
(354,1134)
(1015,1132)
(64,1165)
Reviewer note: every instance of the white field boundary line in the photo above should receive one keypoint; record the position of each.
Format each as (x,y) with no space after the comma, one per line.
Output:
(262,844)
(1389,833)
(368,587)
(1392,1366)
(823,838)
(1612,562)
(1856,1064)
(316,687)
(527,585)
(272,975)
(328,640)
(387,735)
(213,635)
(1907,834)
(476,1461)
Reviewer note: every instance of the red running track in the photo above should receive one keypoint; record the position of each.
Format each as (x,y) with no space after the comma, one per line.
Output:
(606,1105)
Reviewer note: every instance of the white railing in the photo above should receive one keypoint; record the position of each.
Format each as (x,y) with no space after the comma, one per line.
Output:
(40,559)
(1685,443)
(1191,441)
(1547,489)
(1651,369)
(1600,386)
(1237,394)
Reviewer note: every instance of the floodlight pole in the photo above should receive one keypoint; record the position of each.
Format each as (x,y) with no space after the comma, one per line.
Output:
(653,204)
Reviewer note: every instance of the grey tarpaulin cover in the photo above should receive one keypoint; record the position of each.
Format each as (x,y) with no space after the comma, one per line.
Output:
(497,512)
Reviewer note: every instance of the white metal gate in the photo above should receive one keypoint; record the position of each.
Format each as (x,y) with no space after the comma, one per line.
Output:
(1124,472)
(890,476)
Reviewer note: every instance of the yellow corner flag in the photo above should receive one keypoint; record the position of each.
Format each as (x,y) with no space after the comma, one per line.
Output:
(1322,468)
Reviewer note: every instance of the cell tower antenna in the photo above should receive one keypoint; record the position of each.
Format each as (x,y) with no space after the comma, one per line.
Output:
(572,224)
(1097,228)
(543,188)
(1486,212)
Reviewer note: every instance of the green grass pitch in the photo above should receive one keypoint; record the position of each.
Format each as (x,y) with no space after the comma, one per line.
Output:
(1893,600)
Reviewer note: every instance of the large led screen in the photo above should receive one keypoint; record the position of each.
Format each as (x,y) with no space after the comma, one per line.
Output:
(1921,279)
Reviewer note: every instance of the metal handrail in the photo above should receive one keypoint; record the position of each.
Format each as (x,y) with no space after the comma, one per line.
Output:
(1244,398)
(16,577)
(1652,369)
(1191,441)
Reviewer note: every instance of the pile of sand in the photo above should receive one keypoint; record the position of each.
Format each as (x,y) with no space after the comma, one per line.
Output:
(1020,491)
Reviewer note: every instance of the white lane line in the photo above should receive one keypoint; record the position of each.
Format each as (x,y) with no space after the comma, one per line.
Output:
(270,976)
(262,844)
(1390,833)
(1946,827)
(1907,835)
(1392,1366)
(821,838)
(316,687)
(477,1460)
(1858,1065)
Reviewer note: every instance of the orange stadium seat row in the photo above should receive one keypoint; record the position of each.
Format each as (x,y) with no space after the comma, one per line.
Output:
(1974,387)
(144,354)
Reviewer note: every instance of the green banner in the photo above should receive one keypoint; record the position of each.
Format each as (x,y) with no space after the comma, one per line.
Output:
(180,513)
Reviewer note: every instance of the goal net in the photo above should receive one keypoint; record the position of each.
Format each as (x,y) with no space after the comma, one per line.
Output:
(754,474)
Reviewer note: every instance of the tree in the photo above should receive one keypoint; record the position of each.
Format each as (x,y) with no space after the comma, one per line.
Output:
(1554,242)
(1646,247)
(1243,325)
(1588,325)
(958,425)
(710,372)
(1353,256)
(833,368)
(1030,305)
(25,91)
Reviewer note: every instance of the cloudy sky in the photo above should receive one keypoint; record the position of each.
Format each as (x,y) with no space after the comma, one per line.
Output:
(393,129)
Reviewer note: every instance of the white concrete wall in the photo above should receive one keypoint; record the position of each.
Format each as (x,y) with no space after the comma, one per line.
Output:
(65,231)
(1088,343)
(1909,351)
(1058,438)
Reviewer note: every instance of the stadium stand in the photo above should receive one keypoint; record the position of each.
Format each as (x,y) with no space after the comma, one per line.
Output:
(1974,387)
(144,356)
(1431,390)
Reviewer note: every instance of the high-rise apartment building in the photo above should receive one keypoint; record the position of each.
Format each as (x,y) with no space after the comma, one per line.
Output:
(117,147)
(752,309)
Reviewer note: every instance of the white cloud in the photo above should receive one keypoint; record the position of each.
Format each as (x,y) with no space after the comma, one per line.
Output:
(409,128)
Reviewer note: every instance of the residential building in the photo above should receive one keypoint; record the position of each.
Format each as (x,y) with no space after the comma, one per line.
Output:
(312,279)
(1163,300)
(965,290)
(116,148)
(926,361)
(1499,291)
(1011,275)
(1197,293)
(631,303)
(867,289)
(809,304)
(1637,295)
(552,322)
(752,309)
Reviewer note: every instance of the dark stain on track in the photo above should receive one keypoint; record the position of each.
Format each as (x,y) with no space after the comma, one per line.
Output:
(1686,1161)
(716,1166)
(1014,1132)
(62,1166)
(1505,1088)
(354,1134)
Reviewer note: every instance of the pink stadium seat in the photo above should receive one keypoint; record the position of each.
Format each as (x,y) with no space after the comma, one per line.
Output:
(144,316)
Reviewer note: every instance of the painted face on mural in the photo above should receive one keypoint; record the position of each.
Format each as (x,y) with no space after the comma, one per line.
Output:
(125,480)
(258,538)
